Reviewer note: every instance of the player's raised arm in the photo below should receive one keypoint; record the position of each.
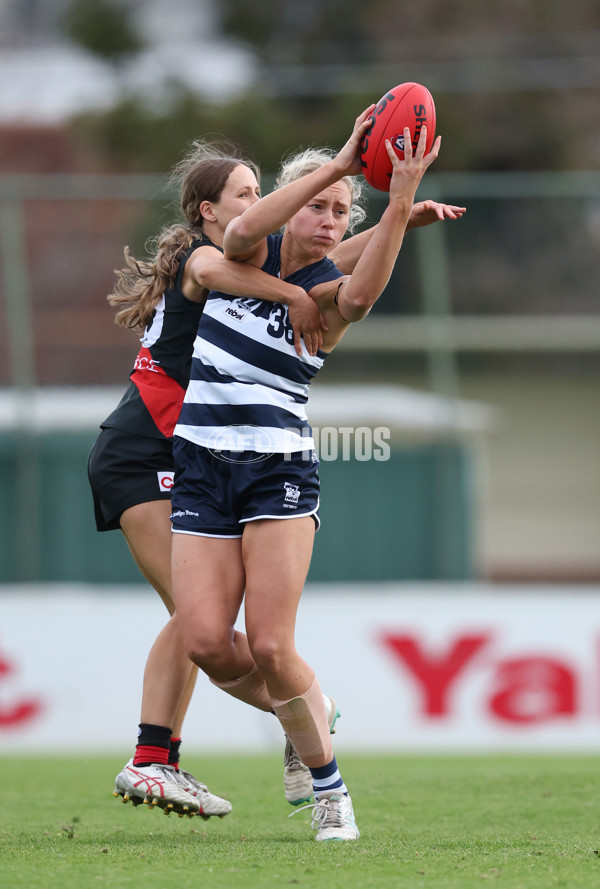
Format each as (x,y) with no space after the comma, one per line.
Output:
(374,268)
(245,234)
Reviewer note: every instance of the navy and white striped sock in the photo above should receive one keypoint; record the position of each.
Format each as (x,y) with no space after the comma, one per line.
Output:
(327,778)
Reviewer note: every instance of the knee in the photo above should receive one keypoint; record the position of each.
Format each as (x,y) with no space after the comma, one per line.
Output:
(269,654)
(204,646)
(207,654)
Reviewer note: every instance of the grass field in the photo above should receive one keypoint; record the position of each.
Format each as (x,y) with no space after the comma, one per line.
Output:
(517,822)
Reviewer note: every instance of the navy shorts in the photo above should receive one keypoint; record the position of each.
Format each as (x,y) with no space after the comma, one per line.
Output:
(125,469)
(216,492)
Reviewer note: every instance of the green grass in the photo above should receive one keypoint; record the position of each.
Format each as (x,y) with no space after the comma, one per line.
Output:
(433,822)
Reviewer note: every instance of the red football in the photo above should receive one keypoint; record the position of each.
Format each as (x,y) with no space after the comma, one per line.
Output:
(407,105)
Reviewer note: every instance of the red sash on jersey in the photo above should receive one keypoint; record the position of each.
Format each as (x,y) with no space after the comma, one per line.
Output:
(161,394)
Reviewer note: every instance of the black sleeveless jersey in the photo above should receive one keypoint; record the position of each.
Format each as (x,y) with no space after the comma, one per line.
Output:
(161,372)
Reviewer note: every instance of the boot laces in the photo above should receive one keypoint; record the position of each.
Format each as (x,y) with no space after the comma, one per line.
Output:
(323,814)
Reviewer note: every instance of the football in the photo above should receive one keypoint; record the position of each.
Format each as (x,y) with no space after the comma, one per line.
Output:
(406,105)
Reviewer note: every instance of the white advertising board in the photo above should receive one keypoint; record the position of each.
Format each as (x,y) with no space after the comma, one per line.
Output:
(414,667)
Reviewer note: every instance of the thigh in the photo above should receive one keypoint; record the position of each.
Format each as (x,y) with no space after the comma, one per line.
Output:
(147,530)
(208,583)
(277,557)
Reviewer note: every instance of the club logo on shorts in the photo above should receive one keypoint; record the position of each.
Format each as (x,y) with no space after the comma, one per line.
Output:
(165,480)
(292,495)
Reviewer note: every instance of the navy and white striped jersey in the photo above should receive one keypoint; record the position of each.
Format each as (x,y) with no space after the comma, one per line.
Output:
(248,387)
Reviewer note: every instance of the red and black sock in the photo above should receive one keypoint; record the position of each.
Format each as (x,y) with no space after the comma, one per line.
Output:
(174,752)
(154,743)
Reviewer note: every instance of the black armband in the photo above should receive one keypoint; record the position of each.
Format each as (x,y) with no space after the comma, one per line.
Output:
(335,299)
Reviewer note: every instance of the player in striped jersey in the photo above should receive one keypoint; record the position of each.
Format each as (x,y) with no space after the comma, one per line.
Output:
(246,493)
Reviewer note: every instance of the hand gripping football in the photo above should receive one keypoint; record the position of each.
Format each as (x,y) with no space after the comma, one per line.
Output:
(406,105)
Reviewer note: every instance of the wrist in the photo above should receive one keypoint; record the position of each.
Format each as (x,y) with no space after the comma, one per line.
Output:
(401,208)
(337,169)
(293,295)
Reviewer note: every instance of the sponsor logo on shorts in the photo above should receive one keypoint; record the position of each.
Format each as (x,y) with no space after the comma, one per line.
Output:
(292,495)
(165,480)
(183,512)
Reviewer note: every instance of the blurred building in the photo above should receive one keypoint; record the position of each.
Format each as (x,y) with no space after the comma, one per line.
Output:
(51,78)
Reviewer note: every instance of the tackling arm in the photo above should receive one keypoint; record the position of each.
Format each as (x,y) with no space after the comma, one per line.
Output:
(207,270)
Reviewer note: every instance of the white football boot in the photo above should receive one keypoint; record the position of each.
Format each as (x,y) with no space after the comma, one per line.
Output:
(210,804)
(333,817)
(155,785)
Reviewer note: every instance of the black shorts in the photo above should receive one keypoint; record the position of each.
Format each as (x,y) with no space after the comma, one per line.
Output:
(126,469)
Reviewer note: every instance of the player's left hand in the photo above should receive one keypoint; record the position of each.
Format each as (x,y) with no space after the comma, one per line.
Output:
(407,173)
(426,212)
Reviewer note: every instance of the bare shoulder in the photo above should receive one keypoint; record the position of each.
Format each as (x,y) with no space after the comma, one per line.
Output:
(204,253)
(199,264)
